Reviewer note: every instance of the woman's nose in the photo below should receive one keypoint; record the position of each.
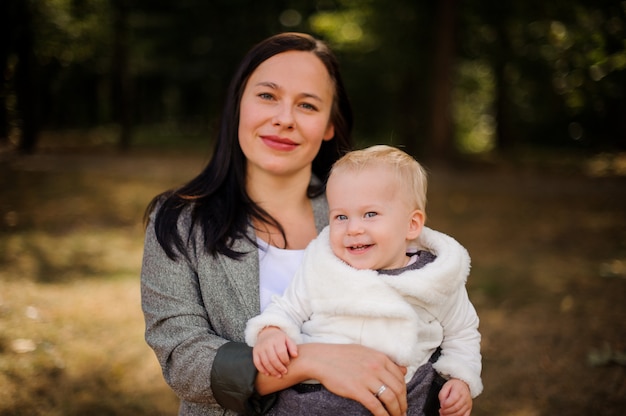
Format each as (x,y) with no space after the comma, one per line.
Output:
(284,117)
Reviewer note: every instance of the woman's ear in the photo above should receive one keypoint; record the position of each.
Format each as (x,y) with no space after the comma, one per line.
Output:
(416,223)
(330,132)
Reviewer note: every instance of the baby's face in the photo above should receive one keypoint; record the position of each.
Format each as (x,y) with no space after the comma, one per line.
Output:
(370,219)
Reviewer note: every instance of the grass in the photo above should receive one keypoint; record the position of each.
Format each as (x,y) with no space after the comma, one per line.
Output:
(71,327)
(76,348)
(548,280)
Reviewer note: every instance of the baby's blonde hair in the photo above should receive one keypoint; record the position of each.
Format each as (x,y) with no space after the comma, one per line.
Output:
(410,175)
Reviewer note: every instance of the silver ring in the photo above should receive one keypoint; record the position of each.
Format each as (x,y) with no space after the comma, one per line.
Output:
(380,391)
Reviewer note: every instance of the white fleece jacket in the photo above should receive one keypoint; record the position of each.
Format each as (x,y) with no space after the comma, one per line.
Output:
(406,316)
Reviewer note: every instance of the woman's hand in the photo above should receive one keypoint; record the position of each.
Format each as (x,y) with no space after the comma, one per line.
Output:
(358,373)
(350,371)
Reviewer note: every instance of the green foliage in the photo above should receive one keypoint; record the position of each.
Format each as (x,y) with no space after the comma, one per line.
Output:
(473,107)
(74,32)
(526,73)
(559,67)
(346,30)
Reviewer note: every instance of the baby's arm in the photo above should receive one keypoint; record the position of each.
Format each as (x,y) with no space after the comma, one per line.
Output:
(455,398)
(273,350)
(460,349)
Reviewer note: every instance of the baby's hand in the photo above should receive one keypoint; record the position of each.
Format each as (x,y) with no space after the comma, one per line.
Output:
(455,398)
(273,351)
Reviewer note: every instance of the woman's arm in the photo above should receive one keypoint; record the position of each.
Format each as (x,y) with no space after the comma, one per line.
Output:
(233,376)
(177,323)
(348,370)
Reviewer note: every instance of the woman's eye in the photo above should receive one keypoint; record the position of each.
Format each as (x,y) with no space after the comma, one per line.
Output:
(266,96)
(308,106)
(370,214)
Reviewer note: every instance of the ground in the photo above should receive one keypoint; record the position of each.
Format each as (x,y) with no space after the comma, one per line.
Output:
(548,248)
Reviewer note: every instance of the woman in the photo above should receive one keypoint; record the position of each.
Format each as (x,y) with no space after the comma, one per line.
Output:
(209,252)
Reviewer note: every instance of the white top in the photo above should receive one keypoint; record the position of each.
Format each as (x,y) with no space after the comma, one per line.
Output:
(277,267)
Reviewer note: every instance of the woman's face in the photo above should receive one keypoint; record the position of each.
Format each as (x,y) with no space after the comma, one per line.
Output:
(285,114)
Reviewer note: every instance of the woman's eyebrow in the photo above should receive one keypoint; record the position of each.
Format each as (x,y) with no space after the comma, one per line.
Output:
(275,86)
(269,84)
(310,95)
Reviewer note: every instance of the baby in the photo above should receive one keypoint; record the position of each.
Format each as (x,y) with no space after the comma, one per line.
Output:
(378,277)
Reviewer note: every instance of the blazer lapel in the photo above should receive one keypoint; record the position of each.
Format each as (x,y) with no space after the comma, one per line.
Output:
(244,274)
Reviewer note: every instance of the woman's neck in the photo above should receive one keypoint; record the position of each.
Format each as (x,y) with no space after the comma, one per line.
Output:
(286,200)
(280,191)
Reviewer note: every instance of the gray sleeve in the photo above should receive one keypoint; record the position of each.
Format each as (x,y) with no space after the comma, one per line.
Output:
(232,380)
(198,364)
(177,324)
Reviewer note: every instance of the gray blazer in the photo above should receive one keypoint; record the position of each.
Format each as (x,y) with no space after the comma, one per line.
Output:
(192,308)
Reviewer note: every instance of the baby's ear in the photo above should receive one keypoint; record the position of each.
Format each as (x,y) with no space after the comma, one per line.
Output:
(416,223)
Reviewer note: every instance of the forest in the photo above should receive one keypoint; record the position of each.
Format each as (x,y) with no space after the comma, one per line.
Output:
(441,78)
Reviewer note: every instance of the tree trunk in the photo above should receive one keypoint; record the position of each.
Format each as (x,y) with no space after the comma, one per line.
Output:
(441,131)
(121,94)
(25,80)
(504,140)
(6,38)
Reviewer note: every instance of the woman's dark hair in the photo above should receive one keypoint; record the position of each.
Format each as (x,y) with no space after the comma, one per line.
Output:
(217,196)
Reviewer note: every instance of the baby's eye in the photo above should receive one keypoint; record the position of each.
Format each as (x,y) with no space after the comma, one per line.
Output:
(341,217)
(370,214)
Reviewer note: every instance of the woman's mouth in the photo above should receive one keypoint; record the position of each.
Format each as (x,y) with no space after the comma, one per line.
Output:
(279,143)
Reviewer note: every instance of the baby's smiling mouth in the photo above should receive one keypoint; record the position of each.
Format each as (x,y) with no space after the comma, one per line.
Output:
(359,247)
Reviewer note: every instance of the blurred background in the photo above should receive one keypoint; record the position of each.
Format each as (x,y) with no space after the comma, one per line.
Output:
(518,110)
(438,77)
